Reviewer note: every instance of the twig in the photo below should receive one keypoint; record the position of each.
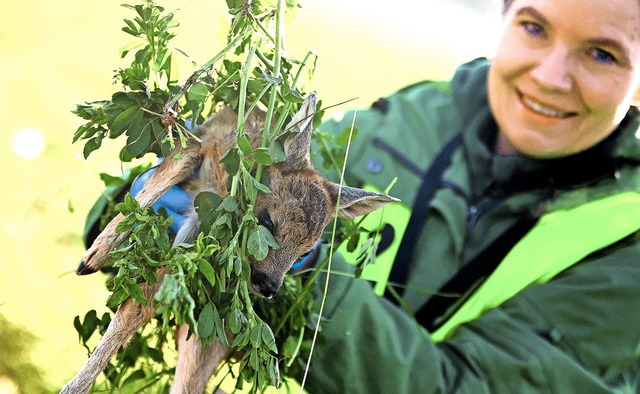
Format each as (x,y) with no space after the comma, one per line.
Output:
(276,72)
(173,100)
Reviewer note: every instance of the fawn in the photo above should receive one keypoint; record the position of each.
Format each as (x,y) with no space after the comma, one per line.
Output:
(300,205)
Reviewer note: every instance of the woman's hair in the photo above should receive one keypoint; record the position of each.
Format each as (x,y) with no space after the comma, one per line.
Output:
(507,4)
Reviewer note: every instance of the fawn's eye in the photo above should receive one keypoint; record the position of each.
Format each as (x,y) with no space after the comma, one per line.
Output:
(265,220)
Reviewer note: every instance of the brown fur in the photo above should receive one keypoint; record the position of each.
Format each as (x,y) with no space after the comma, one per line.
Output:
(298,208)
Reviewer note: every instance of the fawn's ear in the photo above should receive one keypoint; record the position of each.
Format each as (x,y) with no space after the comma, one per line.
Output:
(356,202)
(297,145)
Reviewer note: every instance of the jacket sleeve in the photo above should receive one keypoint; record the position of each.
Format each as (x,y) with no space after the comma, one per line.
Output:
(575,334)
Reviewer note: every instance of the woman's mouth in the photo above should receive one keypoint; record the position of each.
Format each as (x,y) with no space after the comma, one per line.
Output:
(544,110)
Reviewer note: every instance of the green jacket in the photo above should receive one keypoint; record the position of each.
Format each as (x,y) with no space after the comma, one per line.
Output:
(576,333)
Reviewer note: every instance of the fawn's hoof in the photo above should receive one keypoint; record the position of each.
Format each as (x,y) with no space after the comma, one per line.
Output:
(83,269)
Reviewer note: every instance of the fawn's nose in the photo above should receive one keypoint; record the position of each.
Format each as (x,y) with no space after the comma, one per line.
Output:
(264,285)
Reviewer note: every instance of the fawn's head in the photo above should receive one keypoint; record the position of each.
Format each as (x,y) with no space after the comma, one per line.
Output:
(301,204)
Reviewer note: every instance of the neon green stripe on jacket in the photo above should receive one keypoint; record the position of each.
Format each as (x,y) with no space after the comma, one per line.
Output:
(395,215)
(559,240)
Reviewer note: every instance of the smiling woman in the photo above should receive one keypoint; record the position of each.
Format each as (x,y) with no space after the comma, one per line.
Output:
(560,85)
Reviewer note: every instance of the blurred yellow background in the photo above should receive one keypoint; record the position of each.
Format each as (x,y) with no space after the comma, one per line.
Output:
(54,54)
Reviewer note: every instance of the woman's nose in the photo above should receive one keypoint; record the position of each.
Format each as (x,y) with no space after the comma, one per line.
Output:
(554,70)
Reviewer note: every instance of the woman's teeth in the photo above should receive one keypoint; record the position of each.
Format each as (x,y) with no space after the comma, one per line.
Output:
(543,110)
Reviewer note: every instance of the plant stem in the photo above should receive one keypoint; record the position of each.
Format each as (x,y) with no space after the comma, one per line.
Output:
(328,275)
(173,100)
(276,73)
(265,31)
(244,79)
(266,135)
(285,112)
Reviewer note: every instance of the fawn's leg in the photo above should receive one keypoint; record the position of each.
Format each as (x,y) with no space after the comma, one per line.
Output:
(127,320)
(195,364)
(169,173)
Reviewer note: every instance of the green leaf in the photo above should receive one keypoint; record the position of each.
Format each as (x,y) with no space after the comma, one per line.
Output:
(89,130)
(243,144)
(268,338)
(271,79)
(250,190)
(156,355)
(276,152)
(291,95)
(256,336)
(135,376)
(131,25)
(126,224)
(136,293)
(193,62)
(128,205)
(163,62)
(262,156)
(274,372)
(291,347)
(257,245)
(352,244)
(92,145)
(200,90)
(122,99)
(78,326)
(229,204)
(254,359)
(123,120)
(219,327)
(117,298)
(241,340)
(259,242)
(268,237)
(131,46)
(237,266)
(205,204)
(231,161)
(137,144)
(235,320)
(207,271)
(260,186)
(231,4)
(206,321)
(343,137)
(88,326)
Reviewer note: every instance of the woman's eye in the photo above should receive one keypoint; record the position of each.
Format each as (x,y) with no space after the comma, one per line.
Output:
(602,56)
(532,28)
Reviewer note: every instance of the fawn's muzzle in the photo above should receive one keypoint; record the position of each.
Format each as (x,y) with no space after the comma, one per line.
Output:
(264,284)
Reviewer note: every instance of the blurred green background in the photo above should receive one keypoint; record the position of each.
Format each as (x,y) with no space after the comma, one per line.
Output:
(54,54)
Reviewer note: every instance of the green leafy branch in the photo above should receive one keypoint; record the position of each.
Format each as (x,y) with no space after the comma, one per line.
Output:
(206,281)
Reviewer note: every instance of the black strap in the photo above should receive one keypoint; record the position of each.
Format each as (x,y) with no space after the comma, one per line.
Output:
(472,274)
(430,183)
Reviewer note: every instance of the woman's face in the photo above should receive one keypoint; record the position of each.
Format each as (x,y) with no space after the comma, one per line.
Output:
(564,75)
